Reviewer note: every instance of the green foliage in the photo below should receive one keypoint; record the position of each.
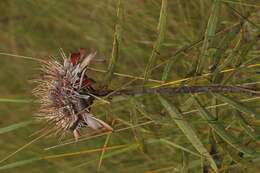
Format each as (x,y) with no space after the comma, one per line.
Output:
(14,126)
(209,36)
(188,131)
(116,44)
(157,43)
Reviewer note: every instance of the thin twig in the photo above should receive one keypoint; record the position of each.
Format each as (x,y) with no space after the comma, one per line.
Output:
(183,89)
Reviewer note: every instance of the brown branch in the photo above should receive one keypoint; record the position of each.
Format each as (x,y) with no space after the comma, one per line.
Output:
(182,89)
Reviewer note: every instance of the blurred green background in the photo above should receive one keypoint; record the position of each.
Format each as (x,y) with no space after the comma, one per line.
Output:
(38,28)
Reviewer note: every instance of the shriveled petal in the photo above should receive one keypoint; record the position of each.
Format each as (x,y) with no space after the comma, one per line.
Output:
(87,60)
(76,134)
(95,123)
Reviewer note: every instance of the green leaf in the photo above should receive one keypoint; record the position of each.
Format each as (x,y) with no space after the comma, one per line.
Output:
(168,68)
(237,105)
(235,157)
(223,45)
(165,141)
(188,131)
(106,155)
(209,35)
(158,43)
(15,126)
(185,163)
(20,163)
(247,128)
(116,43)
(3,100)
(241,62)
(220,129)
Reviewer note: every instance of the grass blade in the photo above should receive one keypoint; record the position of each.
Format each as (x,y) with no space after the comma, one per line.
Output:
(103,151)
(22,148)
(188,131)
(159,41)
(179,147)
(107,155)
(116,44)
(15,126)
(209,35)
(223,46)
(20,163)
(185,163)
(168,67)
(27,161)
(179,81)
(4,100)
(220,130)
(235,157)
(244,124)
(240,107)
(214,148)
(237,105)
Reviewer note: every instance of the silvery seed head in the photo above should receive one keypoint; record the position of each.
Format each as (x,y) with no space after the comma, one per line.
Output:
(64,91)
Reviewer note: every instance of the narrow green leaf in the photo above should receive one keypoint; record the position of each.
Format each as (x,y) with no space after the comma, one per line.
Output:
(3,100)
(185,163)
(220,129)
(116,44)
(241,61)
(188,131)
(243,17)
(223,45)
(245,125)
(168,68)
(31,160)
(20,163)
(235,157)
(159,41)
(113,153)
(139,137)
(15,126)
(179,147)
(106,155)
(214,148)
(209,35)
(237,105)
(247,128)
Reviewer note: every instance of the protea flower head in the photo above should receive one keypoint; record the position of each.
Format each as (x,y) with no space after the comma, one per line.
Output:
(64,91)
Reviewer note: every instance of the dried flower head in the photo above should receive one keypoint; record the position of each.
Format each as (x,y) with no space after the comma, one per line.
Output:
(64,91)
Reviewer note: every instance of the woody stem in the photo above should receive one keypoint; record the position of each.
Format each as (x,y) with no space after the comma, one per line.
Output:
(182,89)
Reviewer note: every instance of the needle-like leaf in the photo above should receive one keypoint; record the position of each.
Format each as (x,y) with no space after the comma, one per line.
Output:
(188,131)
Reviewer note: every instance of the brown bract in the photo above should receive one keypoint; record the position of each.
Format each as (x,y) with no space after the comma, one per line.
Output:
(65,94)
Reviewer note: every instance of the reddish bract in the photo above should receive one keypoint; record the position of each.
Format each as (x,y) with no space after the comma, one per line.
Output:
(87,82)
(74,58)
